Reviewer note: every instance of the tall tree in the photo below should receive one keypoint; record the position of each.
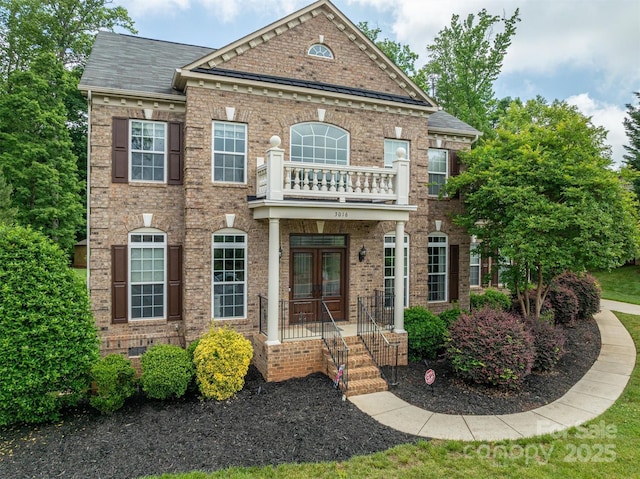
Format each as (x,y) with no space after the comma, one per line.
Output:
(465,60)
(399,53)
(7,211)
(632,128)
(541,193)
(36,151)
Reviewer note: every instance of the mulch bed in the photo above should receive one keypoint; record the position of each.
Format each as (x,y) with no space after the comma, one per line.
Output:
(300,420)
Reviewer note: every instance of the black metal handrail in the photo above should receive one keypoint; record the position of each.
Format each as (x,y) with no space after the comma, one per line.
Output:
(383,352)
(337,346)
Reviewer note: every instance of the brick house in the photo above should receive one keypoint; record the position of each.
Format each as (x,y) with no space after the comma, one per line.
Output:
(262,185)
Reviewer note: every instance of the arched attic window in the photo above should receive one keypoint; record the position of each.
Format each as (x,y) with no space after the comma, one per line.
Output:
(320,50)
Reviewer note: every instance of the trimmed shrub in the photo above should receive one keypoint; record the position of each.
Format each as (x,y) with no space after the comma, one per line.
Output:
(449,316)
(564,303)
(48,341)
(491,347)
(222,359)
(426,333)
(167,371)
(548,341)
(491,297)
(586,289)
(115,380)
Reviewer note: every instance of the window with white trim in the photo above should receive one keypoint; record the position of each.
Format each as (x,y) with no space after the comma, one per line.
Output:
(438,170)
(390,269)
(437,268)
(391,149)
(229,152)
(319,143)
(229,270)
(148,150)
(147,275)
(474,265)
(320,50)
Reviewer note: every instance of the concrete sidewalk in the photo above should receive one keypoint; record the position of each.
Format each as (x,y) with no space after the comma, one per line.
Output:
(591,396)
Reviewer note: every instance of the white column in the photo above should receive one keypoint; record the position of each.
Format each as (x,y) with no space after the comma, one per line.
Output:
(402,187)
(275,174)
(273,292)
(398,302)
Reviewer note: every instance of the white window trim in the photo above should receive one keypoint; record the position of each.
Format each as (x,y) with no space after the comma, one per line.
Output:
(407,250)
(226,232)
(214,151)
(131,246)
(446,174)
(347,133)
(130,151)
(401,143)
(331,56)
(474,245)
(446,265)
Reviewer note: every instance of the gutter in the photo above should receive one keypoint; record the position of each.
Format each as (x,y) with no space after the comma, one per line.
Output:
(89,100)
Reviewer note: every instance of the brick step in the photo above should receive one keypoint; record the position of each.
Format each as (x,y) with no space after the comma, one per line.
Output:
(355,360)
(366,386)
(362,372)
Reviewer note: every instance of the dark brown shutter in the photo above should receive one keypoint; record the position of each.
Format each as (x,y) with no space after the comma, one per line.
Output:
(484,271)
(120,150)
(174,276)
(454,272)
(454,167)
(176,147)
(119,305)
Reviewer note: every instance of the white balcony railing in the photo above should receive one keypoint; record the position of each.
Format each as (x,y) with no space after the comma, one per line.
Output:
(277,179)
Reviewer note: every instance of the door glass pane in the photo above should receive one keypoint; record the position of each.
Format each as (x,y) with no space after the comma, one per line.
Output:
(302,275)
(331,274)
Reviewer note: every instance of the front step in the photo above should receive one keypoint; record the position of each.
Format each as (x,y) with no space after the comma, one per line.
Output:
(364,376)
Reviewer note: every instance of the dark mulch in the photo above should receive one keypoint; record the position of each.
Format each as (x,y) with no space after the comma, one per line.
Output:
(301,420)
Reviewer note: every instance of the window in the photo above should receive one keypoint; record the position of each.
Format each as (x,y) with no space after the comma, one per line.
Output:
(474,265)
(438,171)
(319,143)
(148,150)
(319,50)
(389,269)
(390,149)
(147,253)
(229,152)
(437,256)
(229,275)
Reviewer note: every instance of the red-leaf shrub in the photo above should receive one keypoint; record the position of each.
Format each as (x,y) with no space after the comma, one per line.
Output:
(565,304)
(586,289)
(548,341)
(491,347)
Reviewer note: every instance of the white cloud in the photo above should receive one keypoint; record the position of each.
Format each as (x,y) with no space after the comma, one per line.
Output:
(606,115)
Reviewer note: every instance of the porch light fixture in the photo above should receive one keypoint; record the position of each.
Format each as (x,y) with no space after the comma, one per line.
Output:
(362,254)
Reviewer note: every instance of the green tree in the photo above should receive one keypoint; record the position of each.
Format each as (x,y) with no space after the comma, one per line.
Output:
(465,60)
(36,155)
(632,128)
(399,53)
(48,341)
(7,211)
(541,192)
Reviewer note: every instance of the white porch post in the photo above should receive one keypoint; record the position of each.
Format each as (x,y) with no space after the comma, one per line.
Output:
(398,302)
(275,159)
(401,165)
(273,292)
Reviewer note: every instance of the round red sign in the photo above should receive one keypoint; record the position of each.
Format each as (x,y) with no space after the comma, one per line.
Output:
(429,376)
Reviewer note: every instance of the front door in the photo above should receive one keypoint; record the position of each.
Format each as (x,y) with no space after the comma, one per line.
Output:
(318,273)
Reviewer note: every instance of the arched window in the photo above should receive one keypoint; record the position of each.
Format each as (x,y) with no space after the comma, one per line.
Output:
(437,255)
(319,143)
(229,274)
(147,274)
(320,50)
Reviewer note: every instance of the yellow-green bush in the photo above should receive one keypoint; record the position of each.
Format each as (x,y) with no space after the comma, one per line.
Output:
(222,360)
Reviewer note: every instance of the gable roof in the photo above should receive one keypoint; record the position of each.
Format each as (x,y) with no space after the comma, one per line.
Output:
(443,122)
(128,63)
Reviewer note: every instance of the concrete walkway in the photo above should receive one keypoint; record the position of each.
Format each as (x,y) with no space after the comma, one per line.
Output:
(591,396)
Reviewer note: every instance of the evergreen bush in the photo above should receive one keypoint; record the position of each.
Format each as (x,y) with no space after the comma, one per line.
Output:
(48,341)
(492,298)
(450,315)
(491,347)
(167,371)
(425,331)
(222,359)
(114,379)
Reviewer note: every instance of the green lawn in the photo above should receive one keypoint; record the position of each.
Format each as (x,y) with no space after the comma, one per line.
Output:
(606,447)
(621,284)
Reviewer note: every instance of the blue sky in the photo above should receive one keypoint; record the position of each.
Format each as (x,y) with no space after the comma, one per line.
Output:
(586,52)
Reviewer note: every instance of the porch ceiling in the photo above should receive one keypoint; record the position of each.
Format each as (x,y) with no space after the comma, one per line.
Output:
(263,209)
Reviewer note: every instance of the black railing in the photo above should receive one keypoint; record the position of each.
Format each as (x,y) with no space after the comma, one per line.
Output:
(338,349)
(264,308)
(383,352)
(298,318)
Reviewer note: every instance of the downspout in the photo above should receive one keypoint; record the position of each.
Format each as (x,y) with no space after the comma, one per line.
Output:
(88,186)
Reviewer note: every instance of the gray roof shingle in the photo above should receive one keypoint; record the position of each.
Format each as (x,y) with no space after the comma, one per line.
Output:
(127,62)
(441,120)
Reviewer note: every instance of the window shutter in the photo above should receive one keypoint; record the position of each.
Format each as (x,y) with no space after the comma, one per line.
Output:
(119,290)
(175,283)
(454,272)
(454,167)
(120,150)
(176,153)
(484,271)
